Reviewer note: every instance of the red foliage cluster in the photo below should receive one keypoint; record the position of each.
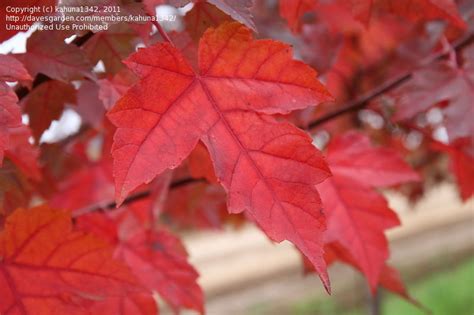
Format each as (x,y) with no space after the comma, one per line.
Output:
(215,119)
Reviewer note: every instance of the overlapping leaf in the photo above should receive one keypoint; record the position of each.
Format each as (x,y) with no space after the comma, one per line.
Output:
(268,168)
(47,53)
(357,214)
(111,46)
(10,114)
(442,82)
(461,164)
(414,10)
(47,268)
(239,10)
(45,103)
(155,256)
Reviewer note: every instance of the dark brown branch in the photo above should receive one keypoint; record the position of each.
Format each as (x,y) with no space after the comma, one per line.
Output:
(132,198)
(352,106)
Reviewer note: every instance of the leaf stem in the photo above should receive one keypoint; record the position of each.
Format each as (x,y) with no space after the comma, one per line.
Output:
(162,32)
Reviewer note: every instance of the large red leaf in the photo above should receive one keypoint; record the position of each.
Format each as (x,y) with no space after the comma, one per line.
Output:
(47,268)
(357,214)
(268,168)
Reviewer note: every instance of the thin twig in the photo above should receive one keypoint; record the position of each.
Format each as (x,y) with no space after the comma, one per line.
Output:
(134,197)
(365,99)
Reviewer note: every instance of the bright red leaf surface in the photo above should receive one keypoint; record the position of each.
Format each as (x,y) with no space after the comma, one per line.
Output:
(47,268)
(258,160)
(357,214)
(155,256)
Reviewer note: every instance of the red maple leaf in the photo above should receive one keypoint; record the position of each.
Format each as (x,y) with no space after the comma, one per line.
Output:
(268,168)
(47,268)
(358,215)
(155,256)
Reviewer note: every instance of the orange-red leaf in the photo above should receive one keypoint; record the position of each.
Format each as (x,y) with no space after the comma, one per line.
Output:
(47,268)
